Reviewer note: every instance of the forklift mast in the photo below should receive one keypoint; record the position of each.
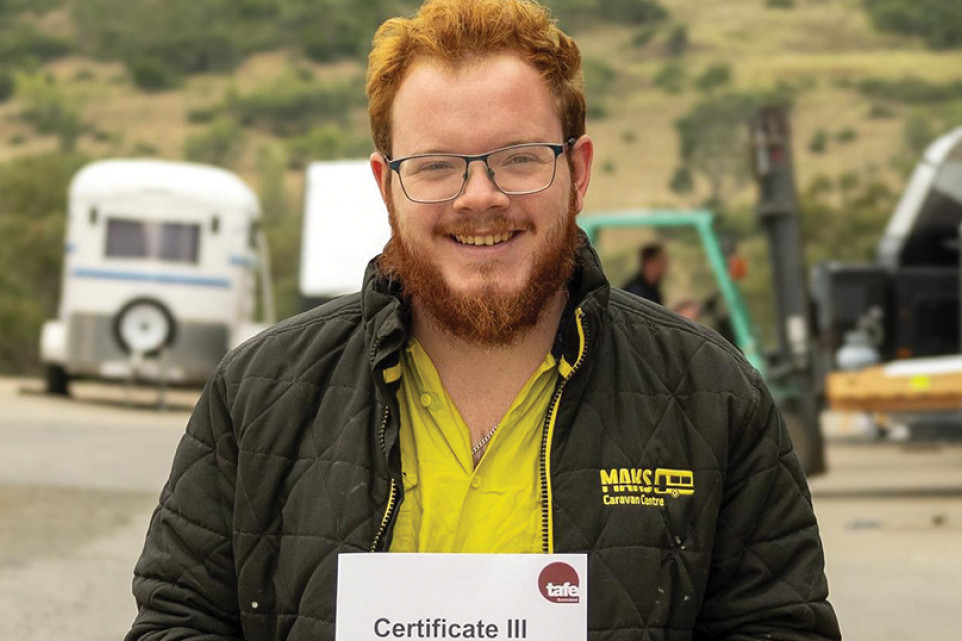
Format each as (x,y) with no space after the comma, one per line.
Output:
(792,367)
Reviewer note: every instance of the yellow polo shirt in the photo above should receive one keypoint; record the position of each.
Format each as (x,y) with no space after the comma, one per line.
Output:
(449,505)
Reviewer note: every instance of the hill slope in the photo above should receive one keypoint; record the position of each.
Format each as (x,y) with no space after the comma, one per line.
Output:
(858,124)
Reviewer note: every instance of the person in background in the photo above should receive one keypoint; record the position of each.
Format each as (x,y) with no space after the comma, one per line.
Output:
(652,266)
(486,392)
(689,308)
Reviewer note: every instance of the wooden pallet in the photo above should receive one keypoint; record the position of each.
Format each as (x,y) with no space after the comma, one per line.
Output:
(928,384)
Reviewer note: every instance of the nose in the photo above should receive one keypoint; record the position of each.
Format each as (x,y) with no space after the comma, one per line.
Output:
(479,191)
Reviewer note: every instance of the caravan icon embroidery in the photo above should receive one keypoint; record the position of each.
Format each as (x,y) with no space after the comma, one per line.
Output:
(674,482)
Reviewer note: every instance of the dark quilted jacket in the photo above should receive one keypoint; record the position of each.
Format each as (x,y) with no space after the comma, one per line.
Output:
(289,457)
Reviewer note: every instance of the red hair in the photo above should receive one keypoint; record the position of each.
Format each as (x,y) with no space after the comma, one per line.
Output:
(453,31)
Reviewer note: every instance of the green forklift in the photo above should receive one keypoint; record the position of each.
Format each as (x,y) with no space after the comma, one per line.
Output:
(789,369)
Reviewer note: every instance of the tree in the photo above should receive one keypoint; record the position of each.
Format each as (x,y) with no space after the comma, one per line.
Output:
(50,109)
(713,144)
(188,35)
(220,144)
(843,218)
(939,22)
(33,191)
(714,77)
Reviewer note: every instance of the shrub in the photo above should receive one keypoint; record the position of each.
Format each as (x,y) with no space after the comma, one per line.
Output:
(677,40)
(597,110)
(32,213)
(50,109)
(632,11)
(819,142)
(326,142)
(842,218)
(599,76)
(142,148)
(910,90)
(291,106)
(879,111)
(328,30)
(783,93)
(671,78)
(153,74)
(715,76)
(573,14)
(20,43)
(36,6)
(201,115)
(271,168)
(938,22)
(7,85)
(189,36)
(644,36)
(682,182)
(220,144)
(918,133)
(846,135)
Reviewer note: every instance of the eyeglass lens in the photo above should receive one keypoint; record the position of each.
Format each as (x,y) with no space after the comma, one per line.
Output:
(516,170)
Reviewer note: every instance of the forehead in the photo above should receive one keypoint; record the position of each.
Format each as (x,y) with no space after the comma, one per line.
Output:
(473,106)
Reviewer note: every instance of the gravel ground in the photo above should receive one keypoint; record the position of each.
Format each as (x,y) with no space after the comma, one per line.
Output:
(80,477)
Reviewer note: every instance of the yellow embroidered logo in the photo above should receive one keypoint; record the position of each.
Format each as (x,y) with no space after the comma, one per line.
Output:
(642,486)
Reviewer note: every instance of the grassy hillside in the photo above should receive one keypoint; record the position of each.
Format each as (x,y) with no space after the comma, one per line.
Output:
(858,124)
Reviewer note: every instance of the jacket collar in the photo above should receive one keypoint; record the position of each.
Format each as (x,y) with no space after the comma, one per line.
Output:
(588,292)
(386,315)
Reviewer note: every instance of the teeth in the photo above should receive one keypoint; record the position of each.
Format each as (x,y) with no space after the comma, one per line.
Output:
(488,240)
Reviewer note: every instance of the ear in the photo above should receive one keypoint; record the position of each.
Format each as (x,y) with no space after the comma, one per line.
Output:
(581,154)
(382,173)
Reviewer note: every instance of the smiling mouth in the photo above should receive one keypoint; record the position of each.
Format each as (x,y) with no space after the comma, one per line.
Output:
(484,240)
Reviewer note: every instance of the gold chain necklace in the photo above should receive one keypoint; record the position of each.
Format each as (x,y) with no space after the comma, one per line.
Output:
(484,440)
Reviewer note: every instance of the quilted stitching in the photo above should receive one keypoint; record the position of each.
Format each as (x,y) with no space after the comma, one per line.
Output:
(286,433)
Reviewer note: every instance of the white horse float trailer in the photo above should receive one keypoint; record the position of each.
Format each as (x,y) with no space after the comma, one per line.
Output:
(160,274)
(345,226)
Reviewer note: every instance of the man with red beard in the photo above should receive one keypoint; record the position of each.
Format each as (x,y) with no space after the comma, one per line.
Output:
(486,391)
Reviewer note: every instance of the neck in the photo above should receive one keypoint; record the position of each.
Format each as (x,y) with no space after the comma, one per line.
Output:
(484,380)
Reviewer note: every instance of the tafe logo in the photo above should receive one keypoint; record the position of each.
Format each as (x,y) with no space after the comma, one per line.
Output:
(559,583)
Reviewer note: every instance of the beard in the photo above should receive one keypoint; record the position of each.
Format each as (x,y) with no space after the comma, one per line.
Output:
(486,317)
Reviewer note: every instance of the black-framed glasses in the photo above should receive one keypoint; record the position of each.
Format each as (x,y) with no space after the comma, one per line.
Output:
(516,170)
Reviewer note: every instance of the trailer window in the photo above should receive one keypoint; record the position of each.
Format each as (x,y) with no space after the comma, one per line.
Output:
(126,239)
(179,242)
(173,242)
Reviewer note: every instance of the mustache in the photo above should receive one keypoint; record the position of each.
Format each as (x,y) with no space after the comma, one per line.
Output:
(492,225)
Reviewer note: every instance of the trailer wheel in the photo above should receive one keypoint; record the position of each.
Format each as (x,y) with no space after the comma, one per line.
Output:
(57,381)
(144,325)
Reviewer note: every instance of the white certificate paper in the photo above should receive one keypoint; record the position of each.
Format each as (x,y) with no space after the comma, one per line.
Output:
(532,597)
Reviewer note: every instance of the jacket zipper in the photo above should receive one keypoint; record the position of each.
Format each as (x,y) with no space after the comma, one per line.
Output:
(547,433)
(392,497)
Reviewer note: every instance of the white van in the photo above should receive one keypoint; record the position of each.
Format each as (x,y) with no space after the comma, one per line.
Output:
(160,273)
